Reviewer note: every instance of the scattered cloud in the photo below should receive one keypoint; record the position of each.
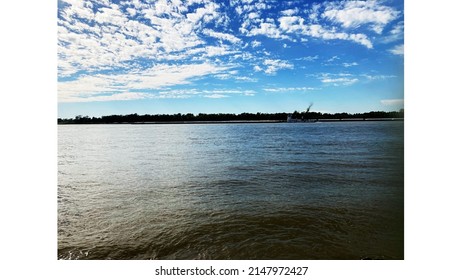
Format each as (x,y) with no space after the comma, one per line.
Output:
(296,25)
(340,81)
(94,36)
(378,77)
(222,36)
(228,91)
(124,96)
(395,34)
(255,44)
(308,58)
(268,29)
(398,50)
(345,64)
(290,12)
(353,14)
(392,102)
(334,58)
(274,65)
(110,37)
(216,95)
(246,79)
(292,24)
(347,79)
(126,50)
(85,88)
(289,89)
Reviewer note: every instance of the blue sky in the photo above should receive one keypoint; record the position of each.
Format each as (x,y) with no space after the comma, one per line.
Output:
(193,56)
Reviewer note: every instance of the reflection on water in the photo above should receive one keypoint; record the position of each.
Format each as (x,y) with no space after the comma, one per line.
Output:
(231,191)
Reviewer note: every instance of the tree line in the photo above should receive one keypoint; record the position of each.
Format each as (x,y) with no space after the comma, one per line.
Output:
(307,115)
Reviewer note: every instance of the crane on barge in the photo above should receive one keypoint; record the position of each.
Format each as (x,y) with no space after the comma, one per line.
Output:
(291,118)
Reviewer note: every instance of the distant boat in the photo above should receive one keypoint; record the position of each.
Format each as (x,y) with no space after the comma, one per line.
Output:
(293,120)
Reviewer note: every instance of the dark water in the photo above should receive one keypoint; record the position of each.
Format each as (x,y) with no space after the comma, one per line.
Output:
(231,191)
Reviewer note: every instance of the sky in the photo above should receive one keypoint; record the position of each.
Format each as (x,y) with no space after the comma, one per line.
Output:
(198,56)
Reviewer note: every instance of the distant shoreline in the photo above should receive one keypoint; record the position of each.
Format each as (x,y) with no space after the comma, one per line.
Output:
(295,117)
(210,122)
(247,121)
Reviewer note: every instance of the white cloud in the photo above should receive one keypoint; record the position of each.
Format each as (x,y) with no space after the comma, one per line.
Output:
(206,13)
(228,91)
(246,79)
(148,41)
(378,77)
(313,12)
(290,12)
(87,88)
(309,58)
(345,64)
(274,65)
(268,29)
(361,39)
(117,97)
(392,102)
(332,59)
(352,14)
(339,81)
(233,75)
(346,79)
(398,29)
(253,16)
(349,14)
(318,31)
(216,96)
(215,93)
(286,89)
(398,50)
(297,25)
(257,68)
(395,34)
(131,12)
(211,51)
(112,39)
(111,16)
(255,44)
(80,9)
(222,36)
(291,24)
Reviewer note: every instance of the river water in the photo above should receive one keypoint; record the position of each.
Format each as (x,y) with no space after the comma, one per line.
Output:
(231,191)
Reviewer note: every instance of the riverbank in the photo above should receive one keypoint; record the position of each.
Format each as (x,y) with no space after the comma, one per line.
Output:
(233,118)
(209,122)
(252,121)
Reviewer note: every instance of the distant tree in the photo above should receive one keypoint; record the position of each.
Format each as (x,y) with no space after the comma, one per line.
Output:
(308,114)
(296,115)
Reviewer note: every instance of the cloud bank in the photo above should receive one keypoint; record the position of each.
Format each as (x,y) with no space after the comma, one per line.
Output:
(128,50)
